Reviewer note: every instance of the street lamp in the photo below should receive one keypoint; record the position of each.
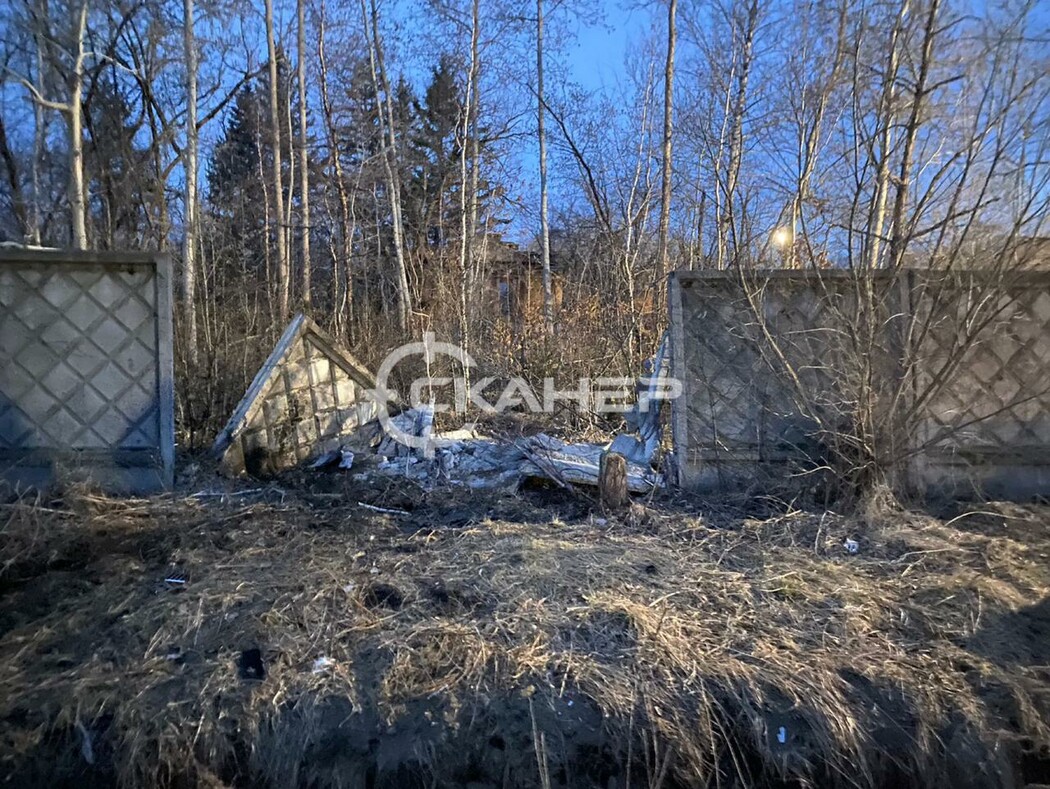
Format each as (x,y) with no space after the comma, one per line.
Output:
(782,237)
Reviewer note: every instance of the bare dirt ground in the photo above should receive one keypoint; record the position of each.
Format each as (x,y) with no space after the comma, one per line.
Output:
(288,636)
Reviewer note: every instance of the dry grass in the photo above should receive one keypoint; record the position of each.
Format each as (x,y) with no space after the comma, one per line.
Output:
(664,648)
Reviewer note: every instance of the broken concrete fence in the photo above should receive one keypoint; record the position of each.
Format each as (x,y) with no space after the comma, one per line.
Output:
(309,397)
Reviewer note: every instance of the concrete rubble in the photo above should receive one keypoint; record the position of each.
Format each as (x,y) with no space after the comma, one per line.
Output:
(467,458)
(309,406)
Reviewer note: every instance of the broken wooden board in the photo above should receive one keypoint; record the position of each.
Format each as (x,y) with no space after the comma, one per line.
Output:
(308,398)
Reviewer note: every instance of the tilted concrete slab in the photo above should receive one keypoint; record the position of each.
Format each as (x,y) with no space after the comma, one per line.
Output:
(308,398)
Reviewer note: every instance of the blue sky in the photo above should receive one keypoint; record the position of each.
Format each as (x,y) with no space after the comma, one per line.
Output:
(596,58)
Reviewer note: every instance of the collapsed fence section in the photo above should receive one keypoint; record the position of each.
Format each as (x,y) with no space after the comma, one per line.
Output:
(928,381)
(86,389)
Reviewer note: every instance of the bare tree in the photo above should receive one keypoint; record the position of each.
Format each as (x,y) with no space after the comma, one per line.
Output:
(386,121)
(666,165)
(283,268)
(189,231)
(39,141)
(910,132)
(886,115)
(467,203)
(18,200)
(814,75)
(748,29)
(342,295)
(304,163)
(72,109)
(933,304)
(541,133)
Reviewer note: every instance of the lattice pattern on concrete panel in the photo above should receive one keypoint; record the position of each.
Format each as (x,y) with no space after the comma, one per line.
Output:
(996,400)
(988,412)
(307,398)
(85,364)
(740,409)
(797,320)
(721,362)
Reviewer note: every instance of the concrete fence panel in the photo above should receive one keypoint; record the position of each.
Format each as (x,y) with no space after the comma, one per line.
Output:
(86,387)
(309,397)
(985,412)
(954,376)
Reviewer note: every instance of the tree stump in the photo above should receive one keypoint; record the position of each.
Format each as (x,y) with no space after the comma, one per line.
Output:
(612,480)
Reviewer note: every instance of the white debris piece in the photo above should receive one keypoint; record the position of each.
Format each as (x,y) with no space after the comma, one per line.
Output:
(465,458)
(424,428)
(644,417)
(577,464)
(383,510)
(447,460)
(322,664)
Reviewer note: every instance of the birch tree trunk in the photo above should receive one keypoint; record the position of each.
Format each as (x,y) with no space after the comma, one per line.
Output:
(189,236)
(886,115)
(545,235)
(717,176)
(340,298)
(293,166)
(275,137)
(639,218)
(382,86)
(267,212)
(77,203)
(665,192)
(304,170)
(466,205)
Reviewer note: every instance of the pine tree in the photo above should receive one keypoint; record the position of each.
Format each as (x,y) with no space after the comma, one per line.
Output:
(236,195)
(436,179)
(233,173)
